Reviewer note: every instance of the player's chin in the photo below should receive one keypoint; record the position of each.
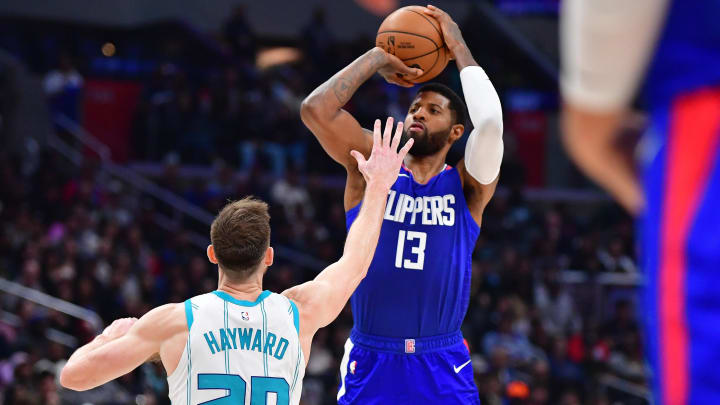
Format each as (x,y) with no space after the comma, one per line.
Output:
(417,134)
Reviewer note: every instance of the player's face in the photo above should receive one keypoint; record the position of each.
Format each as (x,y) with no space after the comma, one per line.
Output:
(428,122)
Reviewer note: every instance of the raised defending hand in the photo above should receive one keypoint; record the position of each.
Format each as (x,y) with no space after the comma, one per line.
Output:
(384,164)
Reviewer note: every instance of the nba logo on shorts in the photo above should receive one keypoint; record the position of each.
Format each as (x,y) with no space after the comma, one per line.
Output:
(245,316)
(409,345)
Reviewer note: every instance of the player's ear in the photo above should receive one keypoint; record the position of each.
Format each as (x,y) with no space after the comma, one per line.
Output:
(211,254)
(269,256)
(456,131)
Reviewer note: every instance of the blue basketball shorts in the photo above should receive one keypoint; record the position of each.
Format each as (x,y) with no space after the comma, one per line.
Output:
(381,370)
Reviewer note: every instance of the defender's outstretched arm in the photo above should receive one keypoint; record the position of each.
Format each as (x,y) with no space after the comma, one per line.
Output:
(320,301)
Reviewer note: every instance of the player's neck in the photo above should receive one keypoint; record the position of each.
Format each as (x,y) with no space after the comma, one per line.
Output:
(243,292)
(248,290)
(425,167)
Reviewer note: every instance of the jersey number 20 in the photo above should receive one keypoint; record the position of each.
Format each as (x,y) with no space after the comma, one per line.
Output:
(417,241)
(259,389)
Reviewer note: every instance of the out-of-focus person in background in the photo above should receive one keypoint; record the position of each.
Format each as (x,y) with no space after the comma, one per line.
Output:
(607,47)
(63,87)
(239,33)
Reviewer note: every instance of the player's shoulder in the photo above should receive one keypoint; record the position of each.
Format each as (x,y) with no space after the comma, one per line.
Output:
(303,298)
(199,301)
(170,316)
(280,300)
(165,311)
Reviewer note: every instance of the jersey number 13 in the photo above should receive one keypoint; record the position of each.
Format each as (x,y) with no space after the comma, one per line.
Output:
(416,243)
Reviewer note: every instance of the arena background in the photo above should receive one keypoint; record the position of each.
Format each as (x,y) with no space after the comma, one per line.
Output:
(124,126)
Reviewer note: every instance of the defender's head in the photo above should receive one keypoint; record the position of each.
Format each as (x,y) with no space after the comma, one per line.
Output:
(240,239)
(436,119)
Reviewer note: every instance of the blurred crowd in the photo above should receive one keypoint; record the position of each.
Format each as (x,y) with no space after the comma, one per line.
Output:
(91,240)
(537,336)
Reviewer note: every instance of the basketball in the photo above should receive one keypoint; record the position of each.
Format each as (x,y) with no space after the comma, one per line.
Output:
(416,39)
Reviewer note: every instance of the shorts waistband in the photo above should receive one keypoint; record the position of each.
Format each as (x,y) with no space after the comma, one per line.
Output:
(408,345)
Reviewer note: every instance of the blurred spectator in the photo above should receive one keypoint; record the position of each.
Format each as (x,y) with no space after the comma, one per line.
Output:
(293,197)
(23,388)
(562,368)
(63,87)
(627,359)
(622,323)
(318,42)
(614,258)
(514,344)
(569,397)
(239,34)
(555,305)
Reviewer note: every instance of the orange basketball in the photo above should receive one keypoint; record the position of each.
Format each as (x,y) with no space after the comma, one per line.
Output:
(416,39)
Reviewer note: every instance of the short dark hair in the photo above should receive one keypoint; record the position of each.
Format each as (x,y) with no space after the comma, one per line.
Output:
(240,235)
(456,103)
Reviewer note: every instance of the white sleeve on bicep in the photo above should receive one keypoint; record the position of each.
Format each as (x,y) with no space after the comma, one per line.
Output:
(484,149)
(606,45)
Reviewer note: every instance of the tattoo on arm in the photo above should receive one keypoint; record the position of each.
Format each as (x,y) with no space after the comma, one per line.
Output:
(346,82)
(341,86)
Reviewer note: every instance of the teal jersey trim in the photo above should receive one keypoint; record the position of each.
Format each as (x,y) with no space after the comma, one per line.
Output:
(189,371)
(188,313)
(229,298)
(297,368)
(264,337)
(227,355)
(296,316)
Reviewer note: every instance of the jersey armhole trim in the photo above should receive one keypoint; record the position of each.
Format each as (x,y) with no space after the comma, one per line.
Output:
(296,316)
(188,313)
(354,209)
(466,212)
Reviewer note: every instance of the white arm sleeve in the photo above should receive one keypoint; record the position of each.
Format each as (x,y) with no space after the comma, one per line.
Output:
(484,149)
(606,45)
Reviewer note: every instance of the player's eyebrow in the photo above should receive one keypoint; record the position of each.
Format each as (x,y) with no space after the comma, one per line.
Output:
(432,104)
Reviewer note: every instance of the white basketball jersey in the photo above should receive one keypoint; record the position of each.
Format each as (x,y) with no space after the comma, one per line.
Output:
(239,352)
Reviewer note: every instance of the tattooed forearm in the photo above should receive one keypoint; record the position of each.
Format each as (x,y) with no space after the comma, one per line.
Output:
(342,88)
(337,131)
(346,82)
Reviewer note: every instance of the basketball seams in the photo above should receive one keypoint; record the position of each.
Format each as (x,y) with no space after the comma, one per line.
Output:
(398,24)
(420,56)
(411,33)
(428,20)
(437,57)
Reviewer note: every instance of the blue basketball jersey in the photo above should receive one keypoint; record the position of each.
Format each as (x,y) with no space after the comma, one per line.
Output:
(687,55)
(419,281)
